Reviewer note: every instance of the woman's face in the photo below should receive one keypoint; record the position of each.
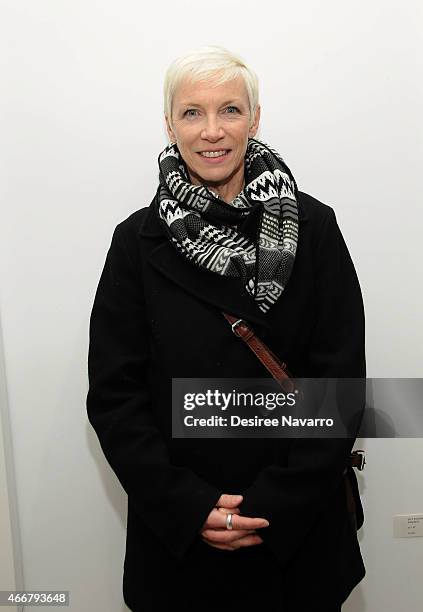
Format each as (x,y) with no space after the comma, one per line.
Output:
(210,118)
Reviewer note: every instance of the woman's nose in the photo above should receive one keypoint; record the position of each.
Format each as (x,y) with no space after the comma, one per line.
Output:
(212,129)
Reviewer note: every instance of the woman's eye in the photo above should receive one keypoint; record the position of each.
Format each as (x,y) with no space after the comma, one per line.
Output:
(191,112)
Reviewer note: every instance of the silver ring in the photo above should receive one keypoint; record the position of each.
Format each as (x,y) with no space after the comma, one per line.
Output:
(229,521)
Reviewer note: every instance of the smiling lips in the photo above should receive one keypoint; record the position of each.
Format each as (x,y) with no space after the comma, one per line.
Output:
(214,154)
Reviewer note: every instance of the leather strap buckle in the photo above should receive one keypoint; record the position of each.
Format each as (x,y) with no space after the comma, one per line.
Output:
(358,459)
(244,332)
(235,325)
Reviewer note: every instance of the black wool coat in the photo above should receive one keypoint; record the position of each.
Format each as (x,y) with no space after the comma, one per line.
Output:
(157,316)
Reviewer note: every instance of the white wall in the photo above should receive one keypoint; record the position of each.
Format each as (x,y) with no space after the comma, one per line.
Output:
(81,125)
(11,577)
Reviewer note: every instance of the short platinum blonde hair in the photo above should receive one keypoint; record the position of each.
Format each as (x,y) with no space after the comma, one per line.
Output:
(205,63)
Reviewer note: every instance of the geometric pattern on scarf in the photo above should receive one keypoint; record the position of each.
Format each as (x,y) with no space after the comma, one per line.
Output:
(202,226)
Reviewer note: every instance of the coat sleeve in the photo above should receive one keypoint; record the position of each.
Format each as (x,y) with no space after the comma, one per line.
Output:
(295,494)
(173,502)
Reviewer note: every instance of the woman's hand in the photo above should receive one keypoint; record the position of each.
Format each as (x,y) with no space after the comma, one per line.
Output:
(215,533)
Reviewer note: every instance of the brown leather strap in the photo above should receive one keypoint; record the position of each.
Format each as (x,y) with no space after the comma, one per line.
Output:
(278,369)
(274,365)
(350,496)
(357,459)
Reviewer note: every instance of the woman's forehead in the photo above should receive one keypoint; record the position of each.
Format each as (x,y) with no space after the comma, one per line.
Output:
(189,92)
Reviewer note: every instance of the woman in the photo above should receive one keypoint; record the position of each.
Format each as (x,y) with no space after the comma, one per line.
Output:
(227,231)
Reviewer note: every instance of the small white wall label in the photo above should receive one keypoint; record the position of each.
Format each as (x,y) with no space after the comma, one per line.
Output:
(408,525)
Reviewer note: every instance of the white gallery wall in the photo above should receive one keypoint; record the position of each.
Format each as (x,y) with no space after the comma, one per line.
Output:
(341,91)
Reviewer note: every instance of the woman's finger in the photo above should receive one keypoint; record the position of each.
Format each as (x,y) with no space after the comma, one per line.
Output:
(240,543)
(243,522)
(230,510)
(250,540)
(229,501)
(217,520)
(225,535)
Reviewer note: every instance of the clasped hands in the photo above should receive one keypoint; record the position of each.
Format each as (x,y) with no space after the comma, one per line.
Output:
(243,533)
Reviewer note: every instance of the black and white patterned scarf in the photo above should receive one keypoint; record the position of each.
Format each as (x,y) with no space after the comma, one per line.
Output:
(198,221)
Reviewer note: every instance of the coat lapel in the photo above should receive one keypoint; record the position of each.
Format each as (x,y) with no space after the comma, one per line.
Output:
(225,293)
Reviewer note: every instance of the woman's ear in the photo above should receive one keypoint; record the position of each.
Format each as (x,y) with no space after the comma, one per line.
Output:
(254,127)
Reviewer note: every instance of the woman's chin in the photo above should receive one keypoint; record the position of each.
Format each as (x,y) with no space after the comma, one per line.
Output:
(212,175)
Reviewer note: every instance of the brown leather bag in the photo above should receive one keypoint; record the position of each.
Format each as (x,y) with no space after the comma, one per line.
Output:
(278,369)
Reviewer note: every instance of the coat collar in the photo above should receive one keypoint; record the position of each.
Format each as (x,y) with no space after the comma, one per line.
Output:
(225,293)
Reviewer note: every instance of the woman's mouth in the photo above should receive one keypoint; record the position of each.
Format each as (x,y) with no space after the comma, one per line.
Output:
(214,157)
